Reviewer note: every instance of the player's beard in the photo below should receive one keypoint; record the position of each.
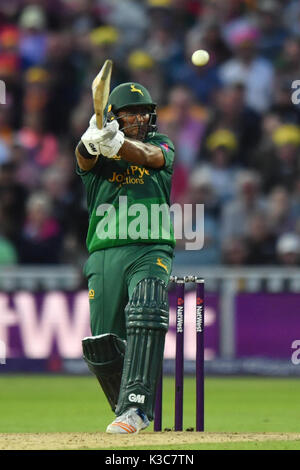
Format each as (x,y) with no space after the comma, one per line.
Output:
(142,131)
(137,130)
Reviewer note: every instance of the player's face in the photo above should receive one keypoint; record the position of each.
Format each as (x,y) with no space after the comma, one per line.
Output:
(134,121)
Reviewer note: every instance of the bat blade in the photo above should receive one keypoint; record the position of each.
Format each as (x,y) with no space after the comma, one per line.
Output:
(101,89)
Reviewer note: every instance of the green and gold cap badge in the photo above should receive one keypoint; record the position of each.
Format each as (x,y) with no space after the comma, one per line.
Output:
(129,94)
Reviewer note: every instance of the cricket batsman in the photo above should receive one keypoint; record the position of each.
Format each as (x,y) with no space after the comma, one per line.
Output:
(124,166)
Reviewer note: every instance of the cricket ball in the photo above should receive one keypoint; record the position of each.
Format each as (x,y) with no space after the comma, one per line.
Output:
(200,57)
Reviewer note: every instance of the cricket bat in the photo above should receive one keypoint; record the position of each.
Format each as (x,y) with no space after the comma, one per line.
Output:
(101,89)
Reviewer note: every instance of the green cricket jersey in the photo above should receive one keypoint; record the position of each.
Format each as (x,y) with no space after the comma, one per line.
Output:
(128,203)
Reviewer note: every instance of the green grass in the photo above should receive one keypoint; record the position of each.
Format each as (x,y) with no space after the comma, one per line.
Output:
(76,404)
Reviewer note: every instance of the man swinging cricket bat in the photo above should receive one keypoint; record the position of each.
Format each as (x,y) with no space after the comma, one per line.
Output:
(124,156)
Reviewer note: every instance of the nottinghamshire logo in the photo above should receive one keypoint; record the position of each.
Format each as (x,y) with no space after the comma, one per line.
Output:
(91,294)
(133,89)
(161,264)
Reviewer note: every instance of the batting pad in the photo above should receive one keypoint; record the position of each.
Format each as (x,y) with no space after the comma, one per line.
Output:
(104,355)
(147,324)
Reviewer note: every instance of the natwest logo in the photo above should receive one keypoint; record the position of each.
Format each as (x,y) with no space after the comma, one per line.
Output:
(39,326)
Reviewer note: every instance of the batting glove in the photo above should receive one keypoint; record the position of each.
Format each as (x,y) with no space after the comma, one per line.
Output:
(110,147)
(107,141)
(91,141)
(109,131)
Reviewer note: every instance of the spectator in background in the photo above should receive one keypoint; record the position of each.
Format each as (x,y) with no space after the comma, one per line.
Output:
(201,191)
(10,76)
(202,187)
(235,251)
(260,241)
(12,201)
(222,147)
(164,46)
(40,239)
(230,112)
(10,71)
(142,69)
(291,15)
(210,35)
(4,152)
(295,197)
(63,85)
(6,125)
(272,31)
(65,194)
(202,81)
(36,91)
(247,67)
(55,184)
(288,249)
(66,197)
(10,63)
(288,67)
(33,43)
(280,213)
(257,158)
(103,42)
(184,122)
(41,148)
(279,162)
(225,13)
(248,200)
(130,17)
(283,106)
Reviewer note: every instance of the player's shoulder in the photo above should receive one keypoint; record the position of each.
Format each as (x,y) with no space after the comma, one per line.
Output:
(161,139)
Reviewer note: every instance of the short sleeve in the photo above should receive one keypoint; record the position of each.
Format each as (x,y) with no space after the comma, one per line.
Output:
(167,148)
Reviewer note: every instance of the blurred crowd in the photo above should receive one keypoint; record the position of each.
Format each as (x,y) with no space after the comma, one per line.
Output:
(234,122)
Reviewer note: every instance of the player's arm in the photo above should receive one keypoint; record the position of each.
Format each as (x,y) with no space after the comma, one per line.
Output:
(110,141)
(85,160)
(88,149)
(141,153)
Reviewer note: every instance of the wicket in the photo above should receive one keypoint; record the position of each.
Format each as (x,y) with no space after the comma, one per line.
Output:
(179,357)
